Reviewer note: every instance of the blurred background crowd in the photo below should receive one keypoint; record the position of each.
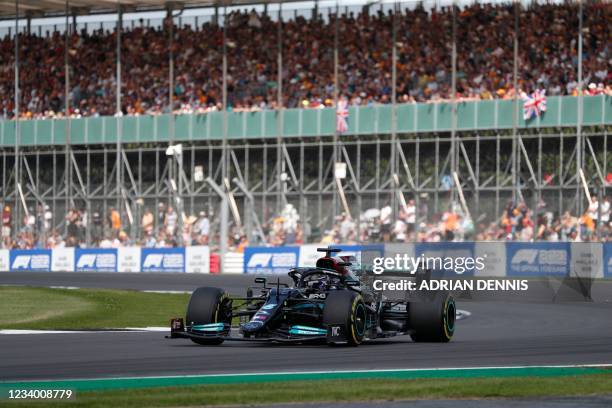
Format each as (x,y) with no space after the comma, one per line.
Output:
(162,228)
(548,60)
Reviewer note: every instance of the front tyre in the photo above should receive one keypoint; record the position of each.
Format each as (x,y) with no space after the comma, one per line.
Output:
(345,313)
(209,305)
(433,320)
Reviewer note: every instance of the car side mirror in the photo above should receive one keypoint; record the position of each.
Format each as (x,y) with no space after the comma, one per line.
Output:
(261,280)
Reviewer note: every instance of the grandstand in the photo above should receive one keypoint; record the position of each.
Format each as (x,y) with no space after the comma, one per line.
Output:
(232,109)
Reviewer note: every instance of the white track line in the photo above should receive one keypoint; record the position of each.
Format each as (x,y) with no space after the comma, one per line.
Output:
(180,292)
(119,330)
(289,373)
(65,287)
(463,314)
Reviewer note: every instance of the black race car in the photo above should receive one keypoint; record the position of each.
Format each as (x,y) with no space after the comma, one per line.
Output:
(330,303)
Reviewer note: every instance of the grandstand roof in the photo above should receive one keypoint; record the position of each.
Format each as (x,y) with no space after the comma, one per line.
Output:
(43,8)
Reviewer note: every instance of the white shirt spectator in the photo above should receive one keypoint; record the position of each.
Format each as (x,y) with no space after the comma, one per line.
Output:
(171,219)
(346,227)
(605,211)
(594,209)
(411,213)
(203,226)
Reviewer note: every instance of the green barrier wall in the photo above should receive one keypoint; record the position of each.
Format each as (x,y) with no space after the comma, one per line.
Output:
(367,120)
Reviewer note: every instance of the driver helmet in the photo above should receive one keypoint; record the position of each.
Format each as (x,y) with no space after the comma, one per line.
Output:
(320,284)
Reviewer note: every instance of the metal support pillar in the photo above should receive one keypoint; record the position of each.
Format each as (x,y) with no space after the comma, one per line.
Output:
(68,202)
(515,107)
(396,184)
(336,149)
(223,236)
(279,101)
(118,112)
(17,162)
(579,136)
(453,150)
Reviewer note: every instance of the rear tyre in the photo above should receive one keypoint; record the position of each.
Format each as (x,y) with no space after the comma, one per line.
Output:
(209,305)
(433,320)
(346,309)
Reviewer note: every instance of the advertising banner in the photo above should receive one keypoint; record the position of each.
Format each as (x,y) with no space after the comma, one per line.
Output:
(309,255)
(449,259)
(399,249)
(493,255)
(162,260)
(538,258)
(587,260)
(364,253)
(197,259)
(4,260)
(38,260)
(96,260)
(128,259)
(62,260)
(607,253)
(270,259)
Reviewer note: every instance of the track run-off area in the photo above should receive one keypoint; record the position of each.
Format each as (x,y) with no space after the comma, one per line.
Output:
(513,331)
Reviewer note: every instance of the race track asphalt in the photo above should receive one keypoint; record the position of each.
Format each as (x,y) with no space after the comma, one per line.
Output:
(505,332)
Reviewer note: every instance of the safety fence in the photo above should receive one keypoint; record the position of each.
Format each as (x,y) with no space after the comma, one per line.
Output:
(363,120)
(514,259)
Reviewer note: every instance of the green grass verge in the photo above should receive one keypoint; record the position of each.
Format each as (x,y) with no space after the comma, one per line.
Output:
(345,391)
(44,308)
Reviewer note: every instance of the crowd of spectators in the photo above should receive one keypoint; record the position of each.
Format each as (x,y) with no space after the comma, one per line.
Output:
(163,228)
(518,222)
(156,230)
(547,60)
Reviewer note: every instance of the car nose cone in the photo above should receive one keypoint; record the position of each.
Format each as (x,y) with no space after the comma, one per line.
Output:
(251,327)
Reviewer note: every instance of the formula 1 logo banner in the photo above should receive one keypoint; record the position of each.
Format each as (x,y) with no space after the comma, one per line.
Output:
(270,260)
(162,260)
(95,260)
(607,255)
(30,260)
(538,259)
(449,259)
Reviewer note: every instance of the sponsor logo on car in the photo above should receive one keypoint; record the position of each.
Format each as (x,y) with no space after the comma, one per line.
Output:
(317,296)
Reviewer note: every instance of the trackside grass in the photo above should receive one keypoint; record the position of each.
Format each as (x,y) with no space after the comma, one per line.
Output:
(343,391)
(45,308)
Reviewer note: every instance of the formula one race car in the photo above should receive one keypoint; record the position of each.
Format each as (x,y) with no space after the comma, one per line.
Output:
(330,303)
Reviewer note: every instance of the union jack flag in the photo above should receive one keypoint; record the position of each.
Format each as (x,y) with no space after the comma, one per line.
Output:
(534,105)
(342,115)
